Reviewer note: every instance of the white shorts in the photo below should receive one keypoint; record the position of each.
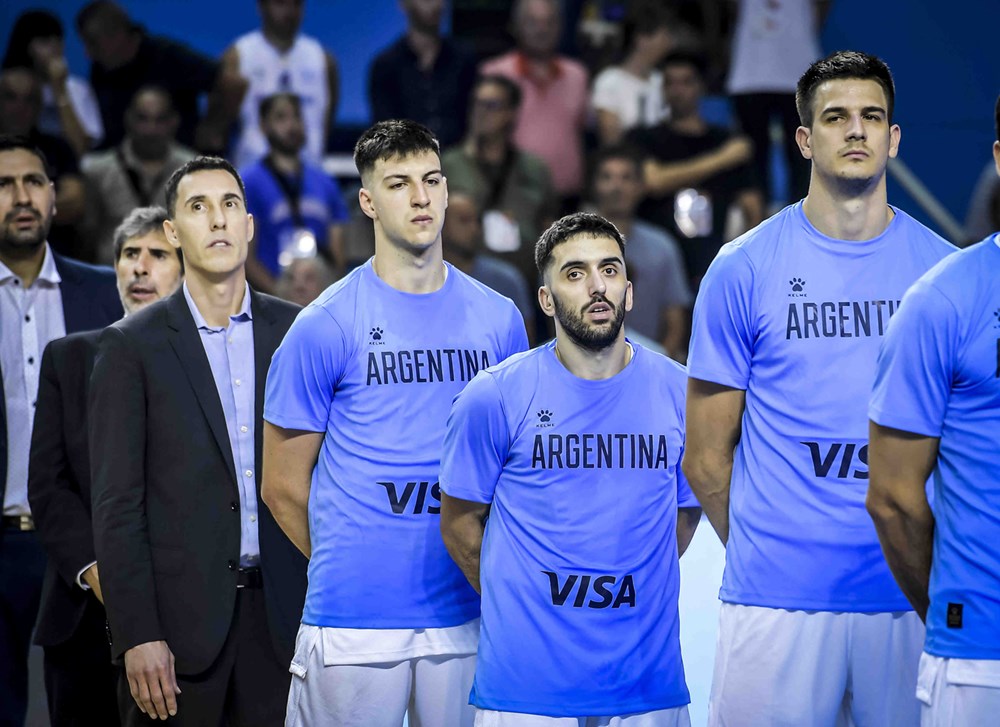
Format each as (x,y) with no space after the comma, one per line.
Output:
(675,717)
(431,691)
(954,692)
(778,668)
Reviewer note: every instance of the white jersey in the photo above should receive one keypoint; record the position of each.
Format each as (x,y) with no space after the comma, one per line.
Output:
(775,41)
(302,71)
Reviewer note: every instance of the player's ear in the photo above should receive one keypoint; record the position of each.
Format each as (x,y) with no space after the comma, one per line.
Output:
(367,203)
(803,138)
(545,301)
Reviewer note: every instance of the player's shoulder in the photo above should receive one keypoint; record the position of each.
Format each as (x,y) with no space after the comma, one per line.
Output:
(959,275)
(661,369)
(918,234)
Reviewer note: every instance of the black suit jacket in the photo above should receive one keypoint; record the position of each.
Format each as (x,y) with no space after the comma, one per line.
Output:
(89,300)
(59,482)
(165,497)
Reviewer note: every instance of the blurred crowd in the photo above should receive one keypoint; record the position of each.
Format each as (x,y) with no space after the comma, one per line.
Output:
(527,135)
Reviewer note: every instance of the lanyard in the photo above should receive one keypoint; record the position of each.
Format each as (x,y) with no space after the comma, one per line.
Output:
(291,187)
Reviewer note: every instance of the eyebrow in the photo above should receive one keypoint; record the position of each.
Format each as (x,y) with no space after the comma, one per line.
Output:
(407,176)
(843,110)
(580,263)
(201,197)
(27,175)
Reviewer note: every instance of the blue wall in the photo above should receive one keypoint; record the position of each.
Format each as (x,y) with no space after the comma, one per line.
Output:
(944,56)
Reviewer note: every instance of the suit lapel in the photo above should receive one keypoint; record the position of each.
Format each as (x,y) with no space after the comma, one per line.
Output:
(186,342)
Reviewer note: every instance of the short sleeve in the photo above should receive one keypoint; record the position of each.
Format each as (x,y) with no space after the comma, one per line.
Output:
(476,442)
(722,327)
(305,371)
(517,336)
(685,497)
(606,95)
(914,372)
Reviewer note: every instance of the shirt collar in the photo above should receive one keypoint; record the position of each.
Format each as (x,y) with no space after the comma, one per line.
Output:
(245,313)
(49,274)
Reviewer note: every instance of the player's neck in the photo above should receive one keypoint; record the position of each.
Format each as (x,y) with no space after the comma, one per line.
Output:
(593,365)
(217,298)
(407,270)
(858,217)
(280,43)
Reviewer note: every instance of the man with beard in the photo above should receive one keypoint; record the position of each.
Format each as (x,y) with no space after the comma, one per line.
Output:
(134,173)
(79,676)
(555,440)
(787,325)
(42,297)
(298,209)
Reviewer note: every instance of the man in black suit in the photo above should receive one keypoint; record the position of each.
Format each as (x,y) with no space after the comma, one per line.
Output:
(203,591)
(42,297)
(79,677)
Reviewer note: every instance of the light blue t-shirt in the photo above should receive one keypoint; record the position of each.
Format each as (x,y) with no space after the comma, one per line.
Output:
(579,567)
(939,376)
(795,319)
(376,369)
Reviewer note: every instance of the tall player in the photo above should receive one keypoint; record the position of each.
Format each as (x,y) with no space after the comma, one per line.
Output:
(357,400)
(813,630)
(577,446)
(936,408)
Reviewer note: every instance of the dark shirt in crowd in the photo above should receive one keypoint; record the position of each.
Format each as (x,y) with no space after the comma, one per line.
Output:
(437,98)
(663,144)
(159,61)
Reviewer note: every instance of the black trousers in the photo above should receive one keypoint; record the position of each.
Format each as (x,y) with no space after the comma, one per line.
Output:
(80,680)
(246,686)
(755,111)
(22,565)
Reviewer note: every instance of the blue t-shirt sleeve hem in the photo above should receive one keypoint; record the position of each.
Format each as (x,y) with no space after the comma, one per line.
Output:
(903,423)
(719,377)
(289,422)
(461,493)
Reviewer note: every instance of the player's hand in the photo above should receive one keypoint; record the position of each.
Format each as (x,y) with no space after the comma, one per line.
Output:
(151,679)
(93,579)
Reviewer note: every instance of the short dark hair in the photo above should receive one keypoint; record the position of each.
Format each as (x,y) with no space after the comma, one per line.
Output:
(28,26)
(103,11)
(626,152)
(512,90)
(843,64)
(393,138)
(686,58)
(199,164)
(997,113)
(10,142)
(579,223)
(267,103)
(645,17)
(140,222)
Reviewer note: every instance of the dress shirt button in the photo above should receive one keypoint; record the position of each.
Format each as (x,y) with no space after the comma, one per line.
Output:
(244,429)
(31,359)
(233,507)
(27,319)
(229,340)
(231,565)
(238,382)
(253,518)
(248,473)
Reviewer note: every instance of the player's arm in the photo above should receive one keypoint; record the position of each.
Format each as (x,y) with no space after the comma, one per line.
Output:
(463,523)
(289,459)
(687,522)
(899,464)
(714,414)
(667,177)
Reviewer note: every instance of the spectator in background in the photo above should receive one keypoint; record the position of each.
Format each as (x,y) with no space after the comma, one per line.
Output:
(983,215)
(304,279)
(134,173)
(44,297)
(279,59)
(554,87)
(124,57)
(79,676)
(694,171)
(423,76)
(20,111)
(630,94)
(69,109)
(511,187)
(774,43)
(661,295)
(462,241)
(298,210)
